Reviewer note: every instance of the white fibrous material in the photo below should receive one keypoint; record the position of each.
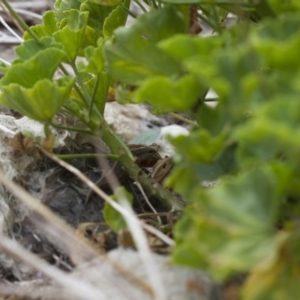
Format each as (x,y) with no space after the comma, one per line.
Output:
(12,165)
(15,167)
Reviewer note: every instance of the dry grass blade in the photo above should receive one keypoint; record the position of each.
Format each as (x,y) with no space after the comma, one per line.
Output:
(2,21)
(148,202)
(132,221)
(78,289)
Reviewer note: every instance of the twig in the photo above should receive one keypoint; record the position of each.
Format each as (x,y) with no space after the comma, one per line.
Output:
(159,234)
(86,155)
(148,202)
(181,118)
(70,128)
(162,214)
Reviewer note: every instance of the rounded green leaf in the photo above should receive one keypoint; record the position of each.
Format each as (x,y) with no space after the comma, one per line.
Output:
(133,55)
(112,217)
(166,93)
(41,102)
(42,66)
(116,19)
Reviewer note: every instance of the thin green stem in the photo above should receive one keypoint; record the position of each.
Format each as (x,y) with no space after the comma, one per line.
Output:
(205,11)
(129,12)
(141,6)
(116,146)
(211,99)
(154,4)
(216,19)
(93,96)
(207,21)
(87,155)
(8,13)
(70,128)
(81,84)
(63,69)
(20,21)
(181,118)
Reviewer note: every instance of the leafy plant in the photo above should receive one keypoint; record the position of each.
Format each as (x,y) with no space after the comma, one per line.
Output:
(249,143)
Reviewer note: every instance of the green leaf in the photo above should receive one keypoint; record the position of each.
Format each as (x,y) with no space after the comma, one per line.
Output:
(173,95)
(30,48)
(213,119)
(272,132)
(277,42)
(127,55)
(230,226)
(278,276)
(47,28)
(199,146)
(116,19)
(186,175)
(94,57)
(71,36)
(183,46)
(282,7)
(98,87)
(40,102)
(112,217)
(97,15)
(235,69)
(65,5)
(41,66)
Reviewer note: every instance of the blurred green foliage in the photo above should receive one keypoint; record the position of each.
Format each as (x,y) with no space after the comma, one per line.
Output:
(249,143)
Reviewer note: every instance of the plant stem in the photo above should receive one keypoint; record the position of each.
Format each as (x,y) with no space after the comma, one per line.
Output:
(129,12)
(151,186)
(207,21)
(181,118)
(216,19)
(80,130)
(93,96)
(141,6)
(85,94)
(154,4)
(87,155)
